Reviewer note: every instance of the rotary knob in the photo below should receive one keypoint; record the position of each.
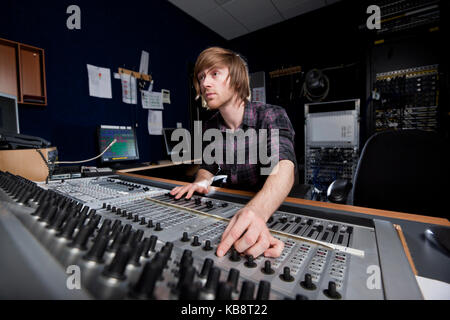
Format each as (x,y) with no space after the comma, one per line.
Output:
(307,283)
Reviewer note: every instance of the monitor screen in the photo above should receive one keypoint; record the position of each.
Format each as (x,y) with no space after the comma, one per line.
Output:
(9,115)
(126,147)
(167,132)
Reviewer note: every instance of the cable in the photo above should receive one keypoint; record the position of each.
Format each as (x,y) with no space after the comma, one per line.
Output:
(46,163)
(66,162)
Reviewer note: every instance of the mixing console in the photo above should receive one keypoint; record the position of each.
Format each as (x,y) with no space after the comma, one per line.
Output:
(131,239)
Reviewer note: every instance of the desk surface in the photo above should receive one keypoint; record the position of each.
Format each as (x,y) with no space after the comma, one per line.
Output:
(162,164)
(429,262)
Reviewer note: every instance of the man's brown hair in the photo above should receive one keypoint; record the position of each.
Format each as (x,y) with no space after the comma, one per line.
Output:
(238,70)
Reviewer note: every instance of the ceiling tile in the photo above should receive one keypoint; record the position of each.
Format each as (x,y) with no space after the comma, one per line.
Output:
(293,8)
(222,23)
(195,7)
(253,14)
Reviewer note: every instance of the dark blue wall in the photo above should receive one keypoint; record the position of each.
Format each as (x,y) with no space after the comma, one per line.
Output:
(112,35)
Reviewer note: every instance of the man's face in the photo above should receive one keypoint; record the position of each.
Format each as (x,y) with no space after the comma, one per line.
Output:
(215,86)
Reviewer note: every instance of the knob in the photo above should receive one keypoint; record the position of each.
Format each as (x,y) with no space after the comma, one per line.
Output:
(185,237)
(82,238)
(234,255)
(143,222)
(207,246)
(195,243)
(117,266)
(150,224)
(263,290)
(158,226)
(331,292)
(213,279)
(267,268)
(97,250)
(207,265)
(224,291)
(130,216)
(250,263)
(233,277)
(247,290)
(136,218)
(144,287)
(187,275)
(189,292)
(286,275)
(307,283)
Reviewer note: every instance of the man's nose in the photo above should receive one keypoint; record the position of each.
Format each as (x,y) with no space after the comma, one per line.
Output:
(206,82)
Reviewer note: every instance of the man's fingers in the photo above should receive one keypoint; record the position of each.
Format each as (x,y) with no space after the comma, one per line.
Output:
(182,191)
(228,228)
(259,247)
(276,247)
(235,233)
(175,190)
(249,238)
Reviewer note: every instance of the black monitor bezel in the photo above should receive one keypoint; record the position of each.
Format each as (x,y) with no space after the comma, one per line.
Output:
(14,98)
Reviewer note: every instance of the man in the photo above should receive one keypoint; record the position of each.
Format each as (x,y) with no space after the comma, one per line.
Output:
(221,79)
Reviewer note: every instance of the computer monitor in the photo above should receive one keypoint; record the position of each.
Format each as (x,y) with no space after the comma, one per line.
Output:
(167,133)
(9,114)
(126,147)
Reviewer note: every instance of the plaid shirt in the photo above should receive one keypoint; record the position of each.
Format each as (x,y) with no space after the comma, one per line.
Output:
(248,176)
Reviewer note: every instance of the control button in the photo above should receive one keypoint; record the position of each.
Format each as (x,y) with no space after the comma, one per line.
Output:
(233,278)
(234,255)
(207,265)
(247,290)
(158,226)
(250,263)
(207,246)
(286,275)
(263,290)
(267,268)
(307,283)
(331,292)
(150,224)
(195,242)
(185,237)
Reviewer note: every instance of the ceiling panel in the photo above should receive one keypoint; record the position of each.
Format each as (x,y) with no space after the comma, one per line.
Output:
(195,7)
(293,8)
(223,23)
(253,14)
(234,18)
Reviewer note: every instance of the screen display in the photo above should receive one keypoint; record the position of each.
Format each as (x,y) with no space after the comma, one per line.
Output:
(124,149)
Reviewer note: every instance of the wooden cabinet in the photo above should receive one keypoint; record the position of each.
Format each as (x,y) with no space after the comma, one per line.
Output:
(22,72)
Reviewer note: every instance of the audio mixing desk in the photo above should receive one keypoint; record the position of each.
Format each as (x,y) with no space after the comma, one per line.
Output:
(128,238)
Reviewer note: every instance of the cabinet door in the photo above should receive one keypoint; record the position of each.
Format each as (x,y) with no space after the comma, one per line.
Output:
(32,74)
(8,68)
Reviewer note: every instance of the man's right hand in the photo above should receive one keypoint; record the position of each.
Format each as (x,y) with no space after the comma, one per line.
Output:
(200,187)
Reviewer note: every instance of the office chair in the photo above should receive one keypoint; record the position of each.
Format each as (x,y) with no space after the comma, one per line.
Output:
(402,170)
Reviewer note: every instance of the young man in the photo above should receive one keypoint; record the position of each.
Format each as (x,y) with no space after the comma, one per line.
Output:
(221,79)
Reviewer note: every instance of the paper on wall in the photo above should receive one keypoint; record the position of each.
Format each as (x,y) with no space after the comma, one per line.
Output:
(99,82)
(154,122)
(144,62)
(155,100)
(165,96)
(129,90)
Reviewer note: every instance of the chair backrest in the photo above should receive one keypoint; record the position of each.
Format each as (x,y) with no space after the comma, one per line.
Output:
(405,171)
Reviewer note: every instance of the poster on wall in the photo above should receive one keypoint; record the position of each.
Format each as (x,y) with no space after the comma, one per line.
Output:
(99,82)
